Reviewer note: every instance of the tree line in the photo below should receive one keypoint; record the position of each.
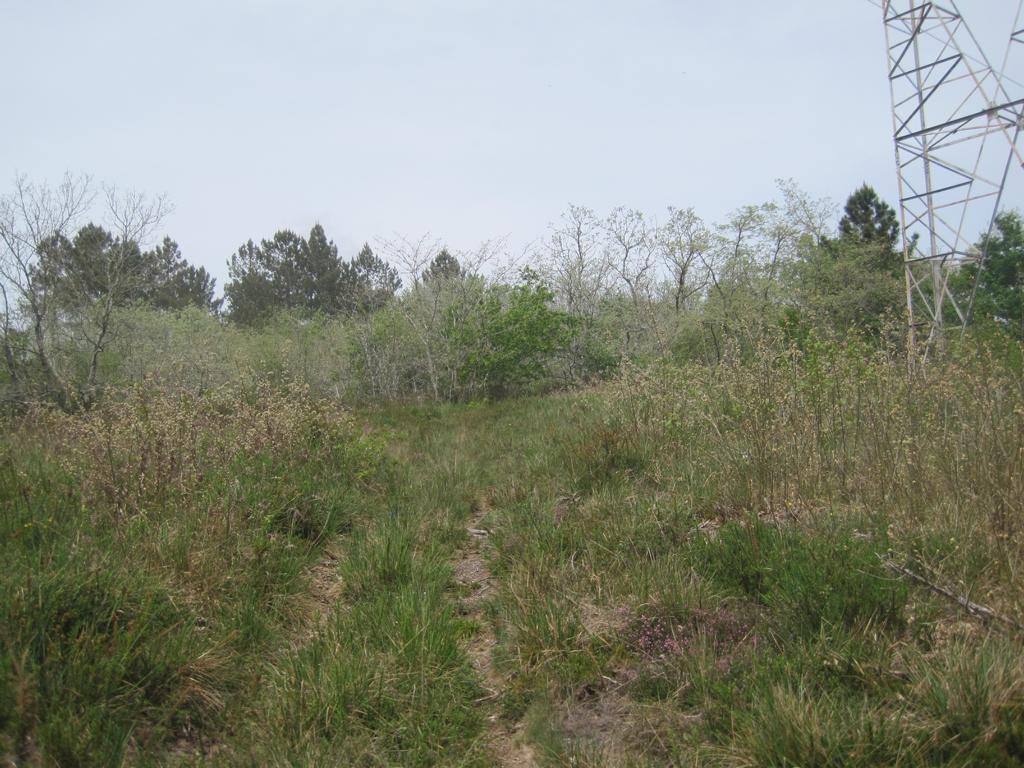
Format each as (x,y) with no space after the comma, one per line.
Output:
(418,319)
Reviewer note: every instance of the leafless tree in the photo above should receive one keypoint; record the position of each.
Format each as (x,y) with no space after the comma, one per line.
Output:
(432,306)
(814,219)
(411,257)
(30,216)
(132,219)
(35,217)
(631,248)
(575,263)
(684,241)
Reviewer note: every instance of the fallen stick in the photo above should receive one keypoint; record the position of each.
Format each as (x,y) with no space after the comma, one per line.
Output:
(984,613)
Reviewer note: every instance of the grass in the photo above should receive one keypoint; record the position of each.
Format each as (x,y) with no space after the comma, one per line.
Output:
(686,569)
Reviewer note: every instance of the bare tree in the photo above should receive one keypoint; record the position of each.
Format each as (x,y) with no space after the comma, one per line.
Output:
(746,263)
(133,219)
(632,246)
(30,216)
(631,249)
(814,219)
(57,310)
(684,241)
(797,221)
(412,257)
(576,264)
(433,306)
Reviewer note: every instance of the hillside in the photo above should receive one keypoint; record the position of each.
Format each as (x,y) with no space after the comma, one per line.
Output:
(682,566)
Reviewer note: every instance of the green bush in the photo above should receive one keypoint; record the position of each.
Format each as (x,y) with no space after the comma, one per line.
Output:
(512,339)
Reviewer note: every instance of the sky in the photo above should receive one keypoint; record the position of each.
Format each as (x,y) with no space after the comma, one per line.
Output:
(466,119)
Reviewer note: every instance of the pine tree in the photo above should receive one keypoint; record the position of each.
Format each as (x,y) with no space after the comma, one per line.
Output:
(289,272)
(94,266)
(868,218)
(443,268)
(368,282)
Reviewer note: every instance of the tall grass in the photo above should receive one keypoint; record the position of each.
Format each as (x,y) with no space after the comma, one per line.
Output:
(154,549)
(932,458)
(687,567)
(715,539)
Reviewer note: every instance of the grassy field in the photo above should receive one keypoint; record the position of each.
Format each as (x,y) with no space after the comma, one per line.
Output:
(686,566)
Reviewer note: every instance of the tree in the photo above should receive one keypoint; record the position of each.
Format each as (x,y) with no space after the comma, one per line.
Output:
(846,286)
(869,219)
(289,272)
(170,282)
(443,268)
(515,336)
(855,280)
(579,271)
(684,241)
(64,294)
(743,268)
(79,270)
(251,291)
(285,272)
(440,299)
(31,215)
(76,270)
(999,295)
(318,273)
(369,282)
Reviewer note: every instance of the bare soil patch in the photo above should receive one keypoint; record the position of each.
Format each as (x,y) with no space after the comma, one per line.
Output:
(473,577)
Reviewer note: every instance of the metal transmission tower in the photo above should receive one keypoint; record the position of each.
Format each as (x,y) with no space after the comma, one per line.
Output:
(955,127)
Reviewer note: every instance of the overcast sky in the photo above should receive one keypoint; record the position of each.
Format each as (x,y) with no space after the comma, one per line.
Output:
(468,119)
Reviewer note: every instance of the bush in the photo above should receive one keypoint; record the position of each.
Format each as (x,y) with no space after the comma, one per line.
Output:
(512,339)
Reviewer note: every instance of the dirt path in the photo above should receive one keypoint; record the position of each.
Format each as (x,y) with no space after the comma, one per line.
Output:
(473,575)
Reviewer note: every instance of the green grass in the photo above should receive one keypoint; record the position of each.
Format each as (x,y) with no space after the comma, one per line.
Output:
(686,569)
(809,579)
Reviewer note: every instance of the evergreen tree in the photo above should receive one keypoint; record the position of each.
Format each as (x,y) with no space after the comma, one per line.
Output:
(285,272)
(368,282)
(319,274)
(251,291)
(170,282)
(95,266)
(869,219)
(88,267)
(443,268)
(290,272)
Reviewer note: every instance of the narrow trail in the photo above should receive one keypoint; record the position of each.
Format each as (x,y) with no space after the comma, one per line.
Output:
(324,596)
(473,576)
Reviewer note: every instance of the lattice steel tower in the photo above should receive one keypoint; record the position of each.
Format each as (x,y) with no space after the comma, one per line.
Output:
(956,121)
